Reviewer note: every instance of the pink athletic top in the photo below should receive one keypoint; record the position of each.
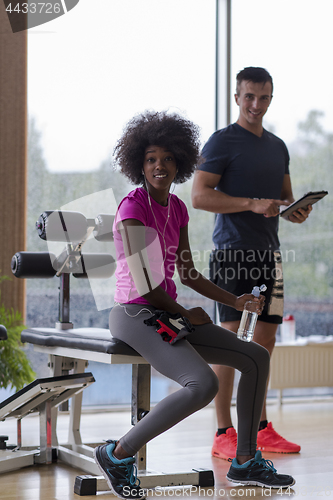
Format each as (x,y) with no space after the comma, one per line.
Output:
(136,206)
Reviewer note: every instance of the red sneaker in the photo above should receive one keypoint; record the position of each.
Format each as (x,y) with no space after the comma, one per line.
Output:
(225,445)
(269,440)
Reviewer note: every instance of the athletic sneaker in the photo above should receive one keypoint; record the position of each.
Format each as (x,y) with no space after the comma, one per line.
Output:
(258,472)
(225,445)
(119,474)
(269,440)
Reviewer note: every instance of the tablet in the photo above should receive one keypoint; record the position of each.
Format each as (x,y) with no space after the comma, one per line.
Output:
(308,199)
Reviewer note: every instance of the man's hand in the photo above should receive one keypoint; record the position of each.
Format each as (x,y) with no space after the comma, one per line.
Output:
(300,215)
(267,207)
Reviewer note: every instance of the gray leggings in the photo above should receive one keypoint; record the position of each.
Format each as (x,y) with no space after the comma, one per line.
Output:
(186,362)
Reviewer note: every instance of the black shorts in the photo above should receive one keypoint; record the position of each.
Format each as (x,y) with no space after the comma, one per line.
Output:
(238,271)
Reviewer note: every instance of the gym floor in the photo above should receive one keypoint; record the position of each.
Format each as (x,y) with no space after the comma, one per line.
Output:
(186,446)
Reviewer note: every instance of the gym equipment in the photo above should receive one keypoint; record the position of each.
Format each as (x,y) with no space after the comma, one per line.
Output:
(70,347)
(3,333)
(74,229)
(40,396)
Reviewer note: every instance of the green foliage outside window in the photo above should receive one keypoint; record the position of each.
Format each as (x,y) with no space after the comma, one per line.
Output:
(15,369)
(307,247)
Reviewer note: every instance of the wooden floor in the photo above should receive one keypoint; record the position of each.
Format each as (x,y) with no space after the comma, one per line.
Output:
(184,447)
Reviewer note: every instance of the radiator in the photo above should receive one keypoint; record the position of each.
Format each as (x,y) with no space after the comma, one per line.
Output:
(301,366)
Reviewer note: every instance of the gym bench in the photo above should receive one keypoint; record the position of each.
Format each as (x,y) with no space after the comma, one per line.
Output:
(72,348)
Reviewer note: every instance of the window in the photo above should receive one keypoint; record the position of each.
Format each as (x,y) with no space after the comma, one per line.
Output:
(302,116)
(275,35)
(89,72)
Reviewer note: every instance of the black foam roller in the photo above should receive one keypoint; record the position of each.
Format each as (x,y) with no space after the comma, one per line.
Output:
(103,227)
(97,265)
(33,265)
(60,225)
(3,334)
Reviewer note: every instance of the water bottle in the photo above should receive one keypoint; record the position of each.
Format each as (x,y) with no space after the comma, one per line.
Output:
(249,317)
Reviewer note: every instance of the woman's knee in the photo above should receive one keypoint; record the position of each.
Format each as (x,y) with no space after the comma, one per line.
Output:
(207,389)
(256,361)
(263,357)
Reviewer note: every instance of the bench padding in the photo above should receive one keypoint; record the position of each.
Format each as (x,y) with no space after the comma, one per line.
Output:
(87,339)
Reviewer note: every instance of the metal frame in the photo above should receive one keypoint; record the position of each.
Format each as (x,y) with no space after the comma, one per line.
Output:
(222,63)
(222,73)
(42,396)
(79,455)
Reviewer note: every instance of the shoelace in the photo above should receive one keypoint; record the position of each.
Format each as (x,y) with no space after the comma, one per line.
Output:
(267,464)
(131,473)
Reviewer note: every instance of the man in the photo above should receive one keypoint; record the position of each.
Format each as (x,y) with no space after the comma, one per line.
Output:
(244,180)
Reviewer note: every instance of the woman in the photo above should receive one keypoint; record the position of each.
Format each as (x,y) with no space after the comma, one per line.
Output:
(151,238)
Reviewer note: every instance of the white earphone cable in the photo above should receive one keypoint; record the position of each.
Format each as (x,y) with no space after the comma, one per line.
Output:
(162,234)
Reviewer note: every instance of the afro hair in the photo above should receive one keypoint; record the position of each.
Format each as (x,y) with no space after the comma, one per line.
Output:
(177,134)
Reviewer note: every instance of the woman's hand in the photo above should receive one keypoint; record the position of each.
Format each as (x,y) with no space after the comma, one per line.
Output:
(242,299)
(198,316)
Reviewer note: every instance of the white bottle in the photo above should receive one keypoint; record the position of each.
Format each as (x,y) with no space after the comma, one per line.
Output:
(250,316)
(288,329)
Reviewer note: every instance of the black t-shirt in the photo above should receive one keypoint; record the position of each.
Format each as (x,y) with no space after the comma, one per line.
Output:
(250,167)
